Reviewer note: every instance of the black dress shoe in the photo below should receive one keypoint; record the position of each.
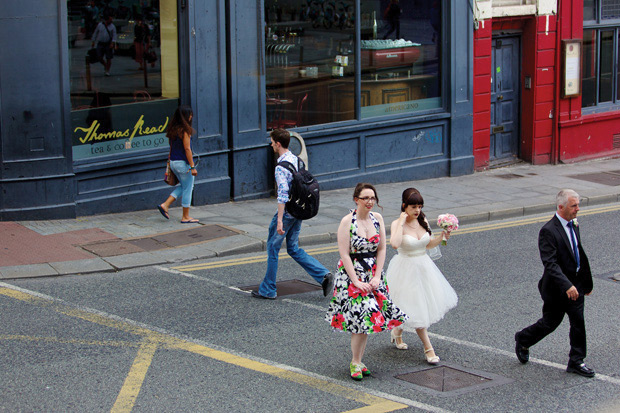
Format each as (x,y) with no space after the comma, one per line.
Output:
(328,284)
(256,294)
(580,369)
(523,353)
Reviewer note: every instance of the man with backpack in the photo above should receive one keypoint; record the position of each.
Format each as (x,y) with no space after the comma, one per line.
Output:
(291,171)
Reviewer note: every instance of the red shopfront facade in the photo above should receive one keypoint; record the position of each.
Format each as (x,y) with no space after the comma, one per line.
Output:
(519,112)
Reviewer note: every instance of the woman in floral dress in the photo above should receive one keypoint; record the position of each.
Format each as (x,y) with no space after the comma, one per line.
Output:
(361,304)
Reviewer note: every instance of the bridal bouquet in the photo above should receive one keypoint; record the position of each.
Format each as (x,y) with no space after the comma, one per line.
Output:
(447,222)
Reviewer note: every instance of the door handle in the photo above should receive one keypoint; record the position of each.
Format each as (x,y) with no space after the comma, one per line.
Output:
(500,97)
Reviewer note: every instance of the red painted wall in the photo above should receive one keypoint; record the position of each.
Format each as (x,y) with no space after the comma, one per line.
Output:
(537,104)
(482,94)
(582,137)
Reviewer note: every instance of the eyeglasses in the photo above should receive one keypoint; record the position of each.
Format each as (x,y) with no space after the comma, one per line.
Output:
(368,198)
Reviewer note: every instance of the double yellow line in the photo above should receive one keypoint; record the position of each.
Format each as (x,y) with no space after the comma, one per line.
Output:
(331,249)
(248,260)
(150,341)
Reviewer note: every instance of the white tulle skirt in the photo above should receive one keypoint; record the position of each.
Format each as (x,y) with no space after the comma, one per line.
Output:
(419,289)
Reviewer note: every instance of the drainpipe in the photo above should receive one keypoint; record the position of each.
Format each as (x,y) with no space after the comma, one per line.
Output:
(555,138)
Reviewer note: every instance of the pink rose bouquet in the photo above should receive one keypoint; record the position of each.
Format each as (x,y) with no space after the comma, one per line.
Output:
(447,222)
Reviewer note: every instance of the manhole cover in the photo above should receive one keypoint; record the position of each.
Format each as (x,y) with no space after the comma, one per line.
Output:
(192,236)
(288,287)
(159,242)
(112,248)
(509,176)
(147,244)
(448,380)
(605,178)
(442,379)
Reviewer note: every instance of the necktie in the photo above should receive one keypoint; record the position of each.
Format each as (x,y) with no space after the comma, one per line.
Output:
(574,242)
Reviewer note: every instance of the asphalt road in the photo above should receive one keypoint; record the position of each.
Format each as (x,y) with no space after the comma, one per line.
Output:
(185,338)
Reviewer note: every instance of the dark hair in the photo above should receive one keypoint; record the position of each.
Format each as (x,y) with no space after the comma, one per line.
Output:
(412,196)
(181,122)
(281,135)
(361,186)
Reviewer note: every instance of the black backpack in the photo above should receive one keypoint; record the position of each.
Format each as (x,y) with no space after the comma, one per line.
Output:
(303,195)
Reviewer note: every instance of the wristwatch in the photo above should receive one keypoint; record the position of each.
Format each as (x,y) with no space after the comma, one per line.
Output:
(192,167)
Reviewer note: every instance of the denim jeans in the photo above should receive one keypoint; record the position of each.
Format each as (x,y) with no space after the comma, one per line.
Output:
(186,181)
(292,226)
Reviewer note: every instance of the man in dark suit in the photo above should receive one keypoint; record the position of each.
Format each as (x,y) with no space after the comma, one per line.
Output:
(565,281)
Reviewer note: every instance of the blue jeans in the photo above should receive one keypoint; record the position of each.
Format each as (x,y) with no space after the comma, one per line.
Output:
(291,226)
(186,180)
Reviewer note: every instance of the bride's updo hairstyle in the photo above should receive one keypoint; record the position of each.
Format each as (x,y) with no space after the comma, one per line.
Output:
(412,196)
(360,187)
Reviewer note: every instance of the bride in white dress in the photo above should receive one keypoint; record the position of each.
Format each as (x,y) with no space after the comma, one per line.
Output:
(416,285)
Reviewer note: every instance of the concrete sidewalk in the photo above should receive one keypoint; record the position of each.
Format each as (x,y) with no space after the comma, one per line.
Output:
(133,239)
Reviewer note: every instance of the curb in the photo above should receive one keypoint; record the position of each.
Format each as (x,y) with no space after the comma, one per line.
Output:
(242,244)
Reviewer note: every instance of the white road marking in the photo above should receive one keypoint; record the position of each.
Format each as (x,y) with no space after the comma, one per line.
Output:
(511,354)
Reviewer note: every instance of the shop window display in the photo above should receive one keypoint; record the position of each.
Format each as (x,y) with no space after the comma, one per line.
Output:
(400,56)
(309,62)
(124,76)
(310,56)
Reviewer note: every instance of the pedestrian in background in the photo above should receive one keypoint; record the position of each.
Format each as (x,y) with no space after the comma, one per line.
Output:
(104,39)
(285,226)
(566,279)
(417,286)
(181,162)
(392,15)
(361,304)
(142,40)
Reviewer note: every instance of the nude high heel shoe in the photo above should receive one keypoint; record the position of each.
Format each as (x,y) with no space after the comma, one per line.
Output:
(431,360)
(393,337)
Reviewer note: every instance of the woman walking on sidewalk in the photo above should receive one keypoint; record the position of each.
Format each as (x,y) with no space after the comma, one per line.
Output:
(181,162)
(361,304)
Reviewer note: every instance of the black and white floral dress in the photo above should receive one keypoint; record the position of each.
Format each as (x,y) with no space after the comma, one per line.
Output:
(352,310)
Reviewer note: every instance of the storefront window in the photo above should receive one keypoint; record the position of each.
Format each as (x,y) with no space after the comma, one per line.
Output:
(610,9)
(606,66)
(589,11)
(310,56)
(590,58)
(400,56)
(122,93)
(309,62)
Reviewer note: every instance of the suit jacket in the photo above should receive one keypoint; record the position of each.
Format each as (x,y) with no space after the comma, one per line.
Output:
(560,272)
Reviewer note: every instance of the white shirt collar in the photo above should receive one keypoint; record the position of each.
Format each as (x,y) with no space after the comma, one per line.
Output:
(562,220)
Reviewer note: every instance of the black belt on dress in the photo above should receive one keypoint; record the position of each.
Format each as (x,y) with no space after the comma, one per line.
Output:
(360,255)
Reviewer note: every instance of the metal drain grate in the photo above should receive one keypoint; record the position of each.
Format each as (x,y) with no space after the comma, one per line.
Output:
(447,379)
(288,287)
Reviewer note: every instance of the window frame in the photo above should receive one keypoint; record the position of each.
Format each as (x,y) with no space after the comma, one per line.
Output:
(599,26)
(358,120)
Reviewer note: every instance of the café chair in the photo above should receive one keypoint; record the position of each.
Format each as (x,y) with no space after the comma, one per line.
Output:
(293,123)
